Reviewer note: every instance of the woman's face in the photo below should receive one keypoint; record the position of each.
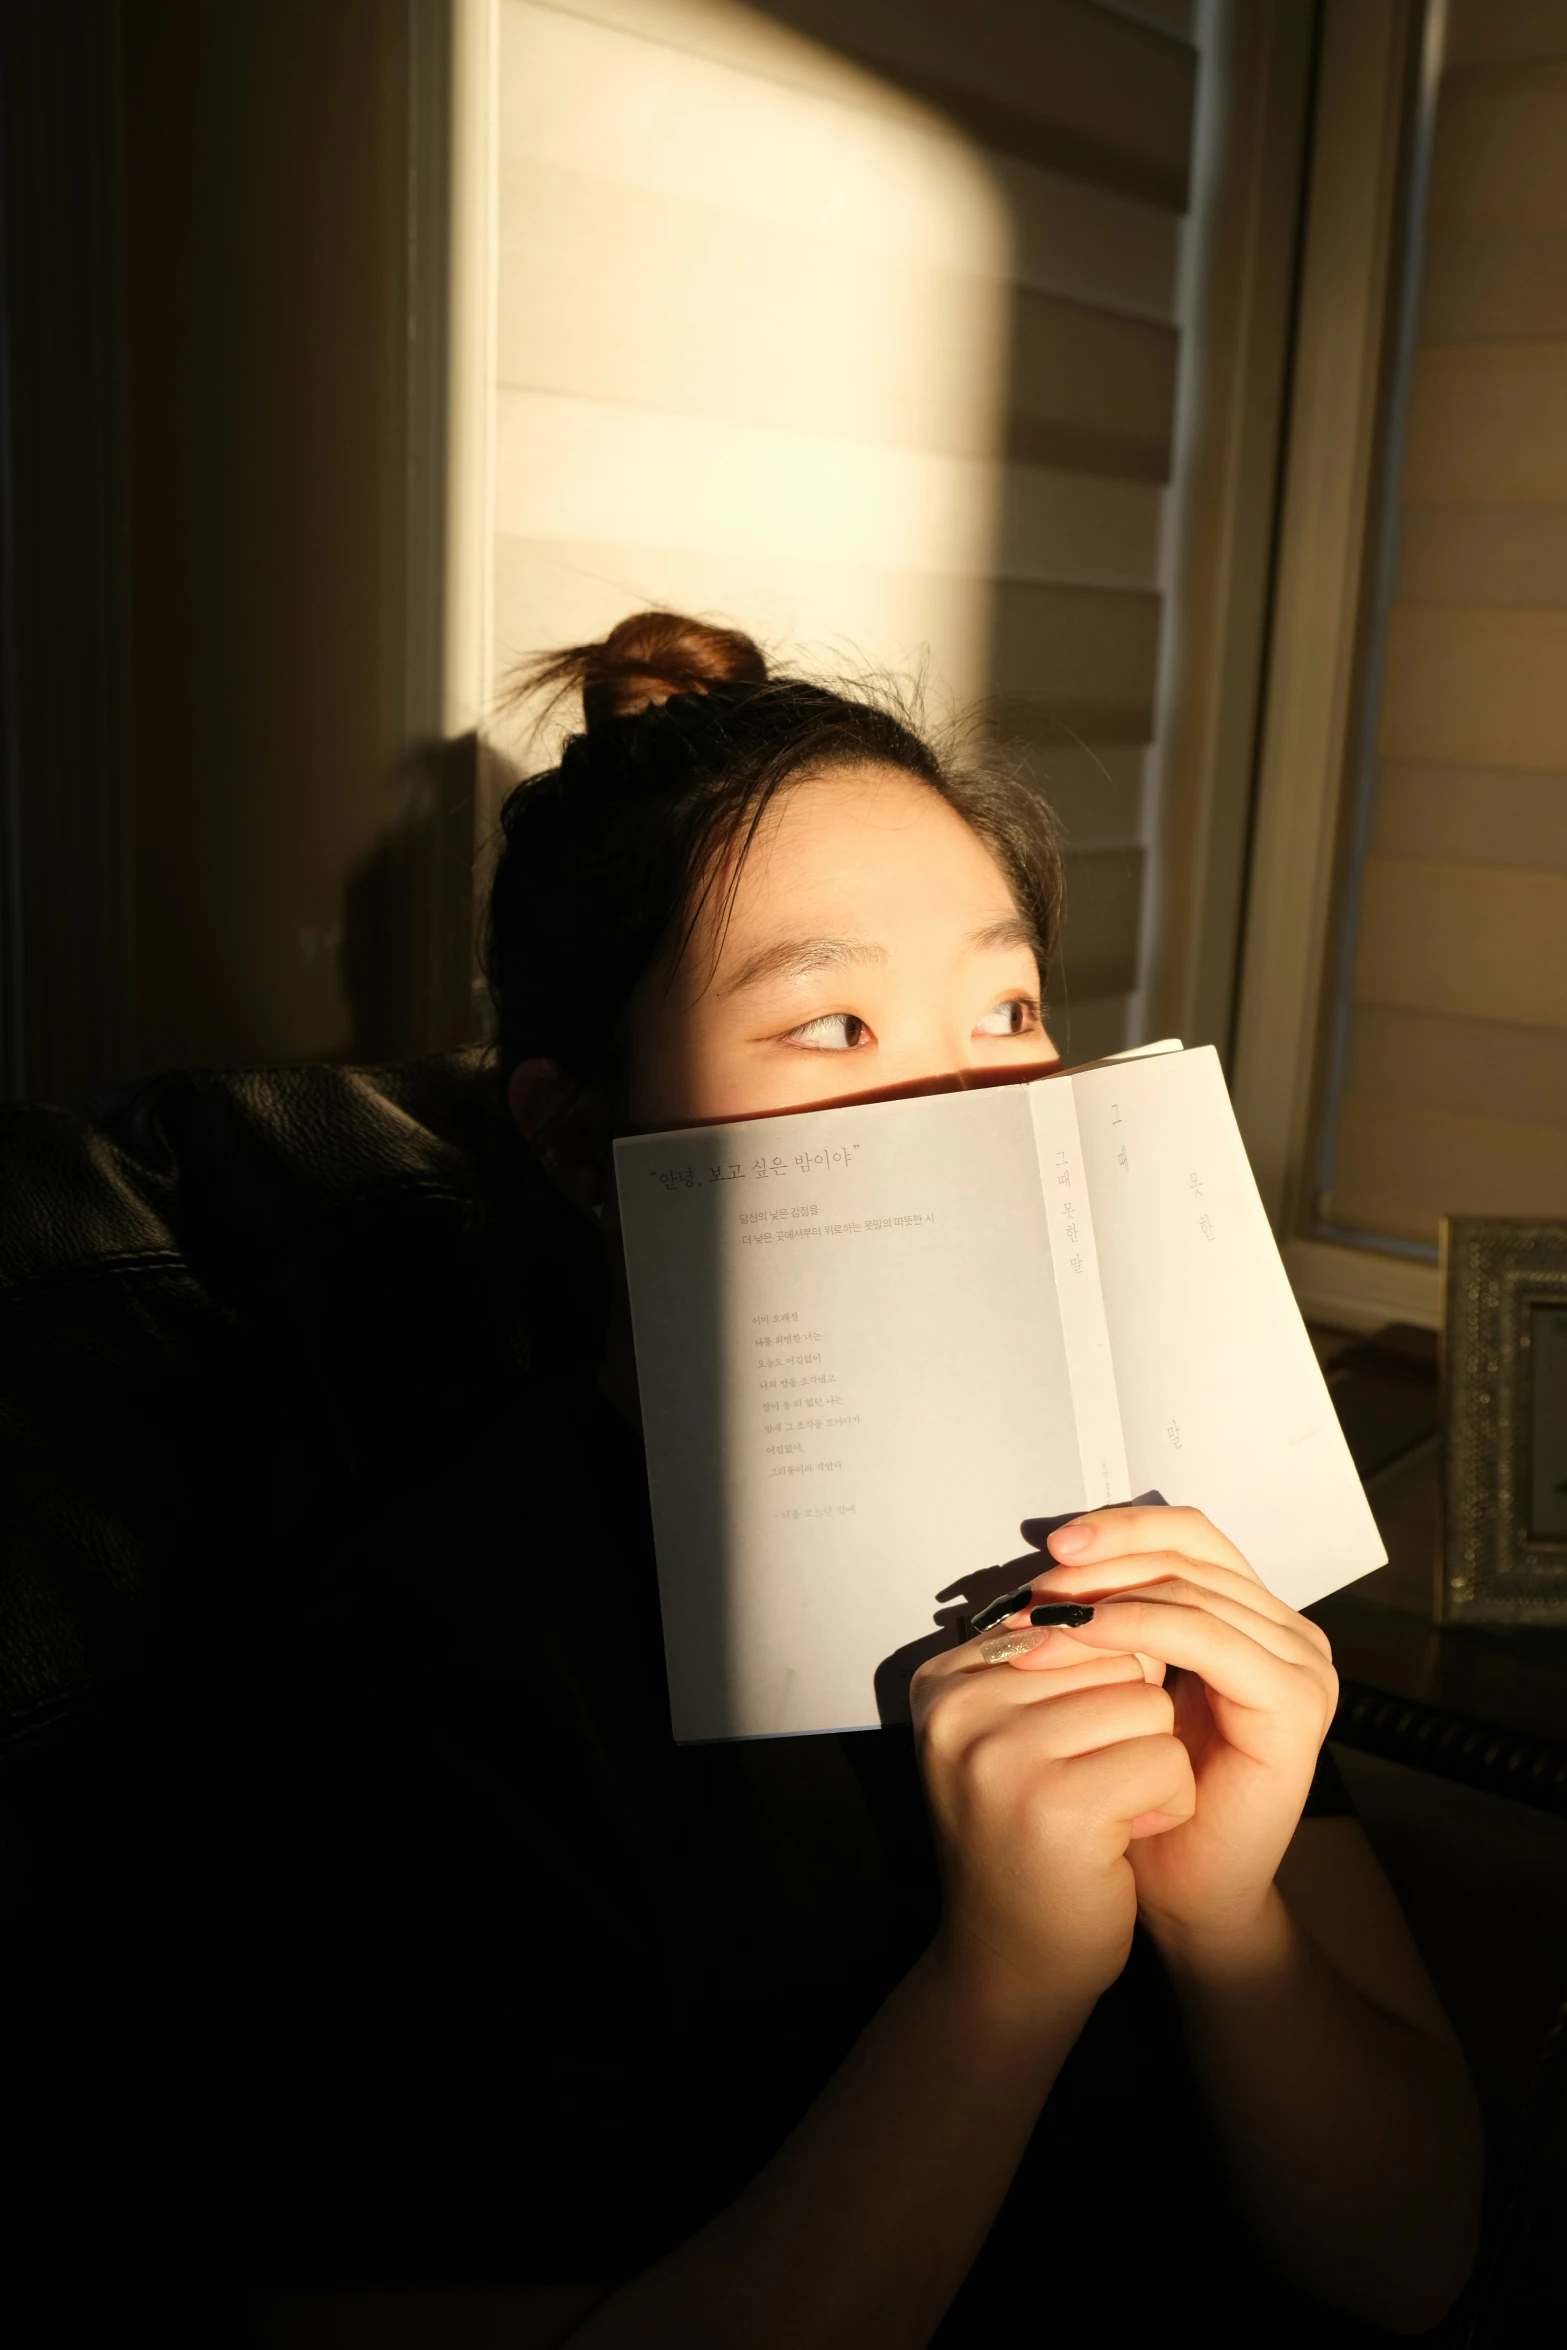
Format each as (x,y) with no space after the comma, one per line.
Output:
(871,944)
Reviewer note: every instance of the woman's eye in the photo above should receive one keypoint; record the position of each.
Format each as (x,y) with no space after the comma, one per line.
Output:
(834,1032)
(1013,1018)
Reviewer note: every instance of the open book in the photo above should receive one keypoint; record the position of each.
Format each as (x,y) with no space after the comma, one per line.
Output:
(871,1340)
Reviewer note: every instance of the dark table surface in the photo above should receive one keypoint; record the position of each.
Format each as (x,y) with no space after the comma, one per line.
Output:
(1484,1705)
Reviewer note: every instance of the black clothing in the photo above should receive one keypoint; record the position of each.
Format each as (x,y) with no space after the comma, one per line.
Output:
(519,1991)
(373,1930)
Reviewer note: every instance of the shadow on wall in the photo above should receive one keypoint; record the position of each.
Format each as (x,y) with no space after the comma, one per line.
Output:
(857,323)
(855,314)
(1084,119)
(408,936)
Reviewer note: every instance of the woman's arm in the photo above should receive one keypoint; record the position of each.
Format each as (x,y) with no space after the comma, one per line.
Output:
(860,2229)
(1338,2092)
(855,2236)
(864,2224)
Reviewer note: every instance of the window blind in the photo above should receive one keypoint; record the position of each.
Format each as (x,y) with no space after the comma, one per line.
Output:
(858,324)
(1455,1082)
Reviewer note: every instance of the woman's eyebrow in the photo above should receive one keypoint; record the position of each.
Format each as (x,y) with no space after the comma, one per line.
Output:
(791,958)
(1009,931)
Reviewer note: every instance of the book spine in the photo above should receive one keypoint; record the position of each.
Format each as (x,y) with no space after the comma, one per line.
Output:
(1074,1259)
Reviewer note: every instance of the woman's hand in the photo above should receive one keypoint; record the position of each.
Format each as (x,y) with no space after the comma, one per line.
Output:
(1038,1783)
(1253,1696)
(1335,2087)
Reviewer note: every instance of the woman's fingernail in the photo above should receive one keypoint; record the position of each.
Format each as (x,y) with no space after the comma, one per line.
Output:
(999,1609)
(1007,1645)
(1070,1542)
(1063,1612)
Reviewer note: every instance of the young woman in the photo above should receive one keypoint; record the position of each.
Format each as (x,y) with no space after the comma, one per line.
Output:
(1055,2013)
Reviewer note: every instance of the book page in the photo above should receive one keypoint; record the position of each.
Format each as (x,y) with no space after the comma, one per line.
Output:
(1222,1402)
(853,1388)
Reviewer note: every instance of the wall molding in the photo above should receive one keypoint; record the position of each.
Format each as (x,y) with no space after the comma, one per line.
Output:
(1316,636)
(1360,1288)
(1254,112)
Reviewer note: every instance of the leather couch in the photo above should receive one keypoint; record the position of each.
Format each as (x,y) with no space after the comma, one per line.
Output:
(227,1303)
(238,1312)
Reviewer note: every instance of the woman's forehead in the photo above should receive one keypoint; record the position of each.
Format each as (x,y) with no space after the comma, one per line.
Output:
(860,845)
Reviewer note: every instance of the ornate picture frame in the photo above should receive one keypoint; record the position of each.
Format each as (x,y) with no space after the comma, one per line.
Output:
(1504,1380)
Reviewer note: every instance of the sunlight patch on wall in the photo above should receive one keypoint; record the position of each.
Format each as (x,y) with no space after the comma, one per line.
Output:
(752,344)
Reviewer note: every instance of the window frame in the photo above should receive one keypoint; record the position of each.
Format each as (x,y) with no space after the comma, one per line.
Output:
(1379,61)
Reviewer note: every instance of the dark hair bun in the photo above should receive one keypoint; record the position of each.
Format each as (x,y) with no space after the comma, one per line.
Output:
(646,660)
(608,858)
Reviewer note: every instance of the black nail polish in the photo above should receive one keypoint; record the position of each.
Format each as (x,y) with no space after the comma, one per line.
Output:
(1064,1612)
(999,1609)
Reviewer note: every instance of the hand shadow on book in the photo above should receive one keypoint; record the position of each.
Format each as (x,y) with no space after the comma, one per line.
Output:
(954,1606)
(959,1601)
